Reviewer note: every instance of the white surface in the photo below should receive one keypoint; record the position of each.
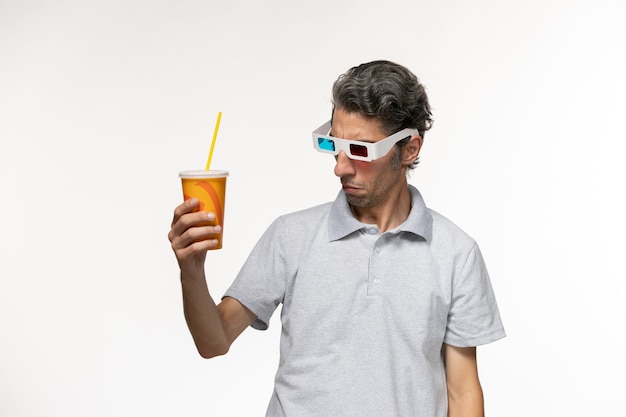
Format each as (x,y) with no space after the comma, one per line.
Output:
(103,103)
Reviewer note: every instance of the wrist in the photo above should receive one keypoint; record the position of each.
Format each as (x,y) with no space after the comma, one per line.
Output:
(192,273)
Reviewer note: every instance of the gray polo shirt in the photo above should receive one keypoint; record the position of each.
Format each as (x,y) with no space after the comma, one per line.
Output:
(364,313)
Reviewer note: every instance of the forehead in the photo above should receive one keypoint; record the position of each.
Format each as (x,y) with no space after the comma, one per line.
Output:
(355,126)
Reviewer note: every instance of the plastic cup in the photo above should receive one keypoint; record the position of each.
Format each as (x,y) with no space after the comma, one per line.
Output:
(209,187)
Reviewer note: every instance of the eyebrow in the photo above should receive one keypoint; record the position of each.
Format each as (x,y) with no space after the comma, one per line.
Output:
(358,140)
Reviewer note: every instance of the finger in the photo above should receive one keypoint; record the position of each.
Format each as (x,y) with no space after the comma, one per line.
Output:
(190,235)
(187,220)
(195,250)
(186,206)
(195,253)
(202,245)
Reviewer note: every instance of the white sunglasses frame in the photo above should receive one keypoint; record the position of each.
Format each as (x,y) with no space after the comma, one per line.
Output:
(375,150)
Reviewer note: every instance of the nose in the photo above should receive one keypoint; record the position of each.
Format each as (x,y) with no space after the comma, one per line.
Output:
(344,165)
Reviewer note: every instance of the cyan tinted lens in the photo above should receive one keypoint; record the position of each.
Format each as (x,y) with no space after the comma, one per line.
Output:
(326,144)
(358,150)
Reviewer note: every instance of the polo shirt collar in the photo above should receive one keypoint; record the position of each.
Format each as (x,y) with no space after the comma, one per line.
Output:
(341,222)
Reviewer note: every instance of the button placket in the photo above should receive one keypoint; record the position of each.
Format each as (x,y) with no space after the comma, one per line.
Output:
(375,279)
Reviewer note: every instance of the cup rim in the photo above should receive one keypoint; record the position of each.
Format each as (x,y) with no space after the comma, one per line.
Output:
(201,173)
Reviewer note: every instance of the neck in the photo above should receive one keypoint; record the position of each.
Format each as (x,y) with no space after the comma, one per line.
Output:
(389,213)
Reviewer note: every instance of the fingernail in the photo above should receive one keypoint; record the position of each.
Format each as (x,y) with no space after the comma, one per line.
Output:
(211,216)
(218,229)
(193,201)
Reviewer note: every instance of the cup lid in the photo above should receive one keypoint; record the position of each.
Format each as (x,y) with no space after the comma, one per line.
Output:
(201,173)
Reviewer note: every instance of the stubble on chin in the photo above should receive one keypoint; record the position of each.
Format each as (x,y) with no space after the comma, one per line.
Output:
(359,202)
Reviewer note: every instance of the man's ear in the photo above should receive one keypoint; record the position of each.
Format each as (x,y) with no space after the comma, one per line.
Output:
(412,150)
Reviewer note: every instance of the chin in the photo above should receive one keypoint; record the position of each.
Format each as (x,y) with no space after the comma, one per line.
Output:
(361,202)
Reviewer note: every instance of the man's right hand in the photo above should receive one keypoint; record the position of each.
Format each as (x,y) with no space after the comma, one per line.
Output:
(190,237)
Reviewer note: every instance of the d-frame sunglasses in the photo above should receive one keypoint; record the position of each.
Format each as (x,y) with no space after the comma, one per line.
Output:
(355,149)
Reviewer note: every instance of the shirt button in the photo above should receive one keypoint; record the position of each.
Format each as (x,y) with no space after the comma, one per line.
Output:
(376,281)
(377,249)
(372,231)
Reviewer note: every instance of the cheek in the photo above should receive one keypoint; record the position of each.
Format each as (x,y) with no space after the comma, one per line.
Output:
(365,167)
(371,170)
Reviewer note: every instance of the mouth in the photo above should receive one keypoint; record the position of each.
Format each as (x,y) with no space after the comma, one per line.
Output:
(348,188)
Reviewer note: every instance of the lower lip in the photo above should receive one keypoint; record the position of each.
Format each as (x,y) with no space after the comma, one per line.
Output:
(350,190)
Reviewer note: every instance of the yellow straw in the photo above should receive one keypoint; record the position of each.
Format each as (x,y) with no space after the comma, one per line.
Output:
(217,126)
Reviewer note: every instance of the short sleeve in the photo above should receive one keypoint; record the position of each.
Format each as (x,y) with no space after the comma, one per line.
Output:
(473,318)
(260,284)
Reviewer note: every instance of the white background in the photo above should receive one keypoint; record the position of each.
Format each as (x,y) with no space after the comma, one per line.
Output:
(103,102)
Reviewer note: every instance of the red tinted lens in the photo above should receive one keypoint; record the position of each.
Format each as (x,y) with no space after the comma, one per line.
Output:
(358,150)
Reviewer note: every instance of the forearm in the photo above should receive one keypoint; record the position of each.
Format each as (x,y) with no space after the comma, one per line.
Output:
(467,404)
(203,317)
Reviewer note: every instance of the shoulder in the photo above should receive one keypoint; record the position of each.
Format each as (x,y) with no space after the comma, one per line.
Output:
(311,216)
(294,226)
(448,234)
(291,233)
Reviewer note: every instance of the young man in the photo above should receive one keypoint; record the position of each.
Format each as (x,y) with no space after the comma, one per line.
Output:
(383,300)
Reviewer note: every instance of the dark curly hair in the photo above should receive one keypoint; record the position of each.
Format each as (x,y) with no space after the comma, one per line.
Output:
(388,92)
